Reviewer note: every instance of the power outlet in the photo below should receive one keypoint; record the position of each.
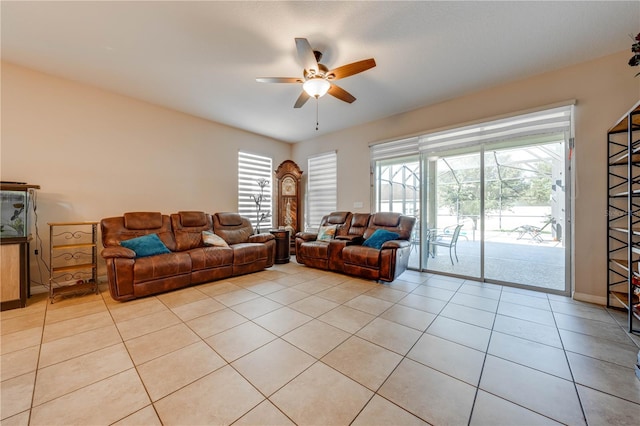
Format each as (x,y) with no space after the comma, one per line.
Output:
(358,204)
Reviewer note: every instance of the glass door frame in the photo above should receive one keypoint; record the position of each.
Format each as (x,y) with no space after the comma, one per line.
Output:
(427,192)
(429,197)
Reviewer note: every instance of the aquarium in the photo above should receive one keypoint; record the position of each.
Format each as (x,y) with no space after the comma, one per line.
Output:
(14,210)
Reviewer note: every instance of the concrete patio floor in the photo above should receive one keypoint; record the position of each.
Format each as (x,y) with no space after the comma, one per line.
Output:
(507,259)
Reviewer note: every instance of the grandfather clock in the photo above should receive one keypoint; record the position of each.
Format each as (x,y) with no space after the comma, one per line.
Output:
(288,176)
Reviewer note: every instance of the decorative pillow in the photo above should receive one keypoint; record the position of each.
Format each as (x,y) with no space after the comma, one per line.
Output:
(327,233)
(211,239)
(379,237)
(147,245)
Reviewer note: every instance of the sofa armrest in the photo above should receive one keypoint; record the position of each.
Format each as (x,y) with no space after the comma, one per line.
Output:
(307,236)
(261,238)
(395,244)
(113,252)
(351,239)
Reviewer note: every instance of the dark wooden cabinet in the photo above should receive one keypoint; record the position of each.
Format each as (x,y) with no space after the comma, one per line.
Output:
(282,245)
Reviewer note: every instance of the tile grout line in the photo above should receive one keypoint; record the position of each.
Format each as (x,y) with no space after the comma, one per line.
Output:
(35,376)
(135,367)
(351,334)
(573,379)
(484,361)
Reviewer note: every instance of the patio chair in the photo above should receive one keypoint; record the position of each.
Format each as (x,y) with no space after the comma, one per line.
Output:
(533,231)
(447,240)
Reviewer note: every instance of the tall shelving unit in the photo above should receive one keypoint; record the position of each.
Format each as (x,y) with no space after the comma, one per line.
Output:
(623,216)
(74,258)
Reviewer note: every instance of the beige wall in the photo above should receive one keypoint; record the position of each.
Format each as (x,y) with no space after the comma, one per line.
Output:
(97,154)
(604,90)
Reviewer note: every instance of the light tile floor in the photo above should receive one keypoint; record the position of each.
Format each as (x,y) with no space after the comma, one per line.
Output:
(295,345)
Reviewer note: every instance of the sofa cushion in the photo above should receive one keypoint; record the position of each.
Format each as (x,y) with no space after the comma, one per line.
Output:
(379,237)
(189,219)
(327,233)
(161,266)
(245,253)
(315,249)
(211,239)
(385,219)
(210,257)
(359,223)
(229,219)
(146,245)
(188,227)
(361,256)
(114,229)
(232,227)
(143,220)
(337,218)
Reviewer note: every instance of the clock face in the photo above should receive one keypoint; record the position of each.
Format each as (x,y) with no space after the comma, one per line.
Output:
(288,186)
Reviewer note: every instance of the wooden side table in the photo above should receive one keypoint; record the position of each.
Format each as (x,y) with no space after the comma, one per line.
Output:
(282,245)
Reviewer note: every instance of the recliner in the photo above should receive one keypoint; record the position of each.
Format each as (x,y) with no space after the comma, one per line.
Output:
(345,252)
(388,262)
(312,252)
(251,252)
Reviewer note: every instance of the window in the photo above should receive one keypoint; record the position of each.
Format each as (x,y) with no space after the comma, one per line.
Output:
(322,192)
(255,177)
(492,200)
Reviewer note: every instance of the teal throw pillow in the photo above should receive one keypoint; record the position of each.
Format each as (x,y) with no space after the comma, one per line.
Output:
(379,237)
(147,245)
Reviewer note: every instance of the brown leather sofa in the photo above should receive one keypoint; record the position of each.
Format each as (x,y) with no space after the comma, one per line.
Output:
(189,261)
(345,252)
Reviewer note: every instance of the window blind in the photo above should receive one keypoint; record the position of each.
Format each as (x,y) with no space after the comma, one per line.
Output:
(251,169)
(524,127)
(322,192)
(394,149)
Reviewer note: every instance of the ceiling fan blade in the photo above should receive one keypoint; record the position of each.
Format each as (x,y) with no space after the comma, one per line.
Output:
(279,80)
(302,99)
(340,93)
(351,69)
(306,56)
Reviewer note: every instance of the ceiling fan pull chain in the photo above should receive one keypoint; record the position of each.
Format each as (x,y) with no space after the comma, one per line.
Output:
(317,122)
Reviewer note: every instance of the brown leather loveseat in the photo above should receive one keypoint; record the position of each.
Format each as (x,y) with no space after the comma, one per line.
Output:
(346,253)
(187,259)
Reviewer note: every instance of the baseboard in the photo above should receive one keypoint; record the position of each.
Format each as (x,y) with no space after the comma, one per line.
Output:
(590,298)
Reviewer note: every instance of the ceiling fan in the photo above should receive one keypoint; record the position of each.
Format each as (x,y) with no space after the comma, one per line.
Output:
(317,79)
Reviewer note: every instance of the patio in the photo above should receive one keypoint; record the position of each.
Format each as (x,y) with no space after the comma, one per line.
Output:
(523,261)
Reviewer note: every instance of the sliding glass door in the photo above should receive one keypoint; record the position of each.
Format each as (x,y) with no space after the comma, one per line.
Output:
(491,201)
(453,214)
(525,214)
(398,189)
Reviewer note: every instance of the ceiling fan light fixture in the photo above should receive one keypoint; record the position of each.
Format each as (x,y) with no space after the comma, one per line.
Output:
(316,87)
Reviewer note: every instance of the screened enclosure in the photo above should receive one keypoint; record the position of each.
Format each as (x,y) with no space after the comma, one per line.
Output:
(491,200)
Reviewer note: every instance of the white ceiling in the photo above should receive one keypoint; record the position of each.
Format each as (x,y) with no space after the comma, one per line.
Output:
(202,58)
